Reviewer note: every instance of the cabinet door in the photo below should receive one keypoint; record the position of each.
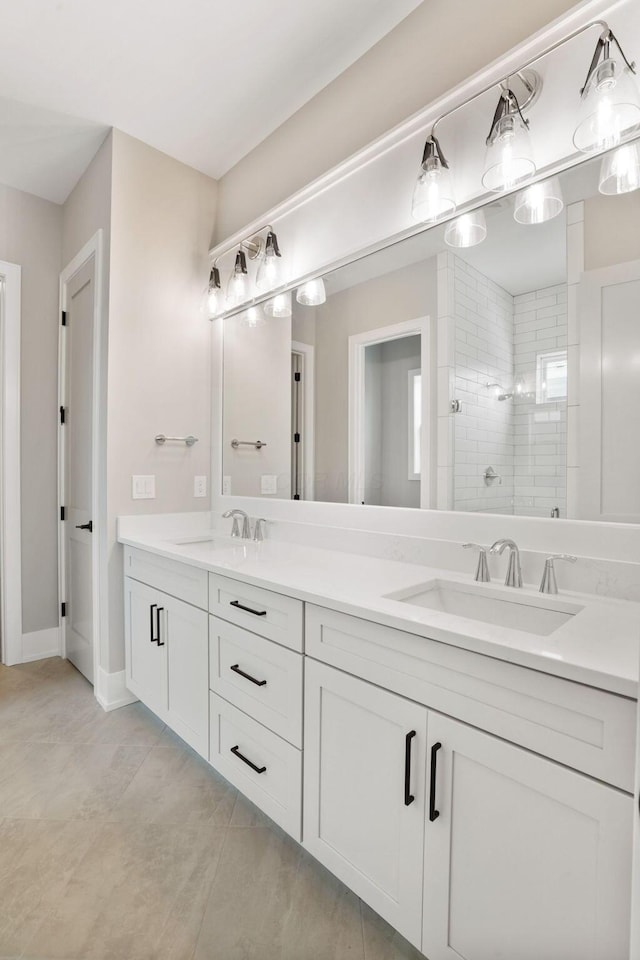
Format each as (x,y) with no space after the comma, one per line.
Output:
(146,660)
(364,791)
(525,859)
(184,629)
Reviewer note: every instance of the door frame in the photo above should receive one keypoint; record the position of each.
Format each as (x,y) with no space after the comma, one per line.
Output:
(357,344)
(10,516)
(93,249)
(307,352)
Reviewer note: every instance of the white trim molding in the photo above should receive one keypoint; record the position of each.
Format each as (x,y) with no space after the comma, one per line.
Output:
(111,691)
(40,644)
(307,352)
(10,516)
(93,249)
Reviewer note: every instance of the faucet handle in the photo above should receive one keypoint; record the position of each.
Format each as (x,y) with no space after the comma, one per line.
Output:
(482,570)
(258,530)
(549,584)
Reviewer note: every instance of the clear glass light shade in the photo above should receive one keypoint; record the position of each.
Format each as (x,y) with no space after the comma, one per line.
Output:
(466,230)
(609,108)
(433,196)
(312,293)
(620,170)
(509,157)
(238,289)
(269,273)
(215,302)
(279,306)
(252,318)
(539,202)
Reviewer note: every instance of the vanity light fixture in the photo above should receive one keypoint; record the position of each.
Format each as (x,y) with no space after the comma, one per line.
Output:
(609,99)
(253,317)
(238,288)
(539,202)
(620,170)
(215,299)
(312,293)
(433,196)
(269,273)
(467,230)
(509,157)
(279,306)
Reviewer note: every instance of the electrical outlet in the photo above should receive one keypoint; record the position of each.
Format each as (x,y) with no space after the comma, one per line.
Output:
(199,486)
(268,483)
(226,486)
(143,488)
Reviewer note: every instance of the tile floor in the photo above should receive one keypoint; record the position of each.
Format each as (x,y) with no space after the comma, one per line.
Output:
(117,842)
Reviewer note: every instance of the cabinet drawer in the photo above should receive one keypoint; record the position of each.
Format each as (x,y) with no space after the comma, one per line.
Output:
(260,764)
(171,576)
(258,676)
(579,726)
(269,614)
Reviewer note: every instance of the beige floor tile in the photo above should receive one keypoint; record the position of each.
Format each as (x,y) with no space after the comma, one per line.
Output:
(246,913)
(246,814)
(138,894)
(382,942)
(174,784)
(37,859)
(59,781)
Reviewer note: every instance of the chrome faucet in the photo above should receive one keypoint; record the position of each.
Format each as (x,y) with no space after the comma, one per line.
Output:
(549,583)
(482,570)
(514,571)
(235,529)
(258,530)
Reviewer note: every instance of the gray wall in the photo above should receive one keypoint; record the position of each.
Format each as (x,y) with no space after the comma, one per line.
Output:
(436,47)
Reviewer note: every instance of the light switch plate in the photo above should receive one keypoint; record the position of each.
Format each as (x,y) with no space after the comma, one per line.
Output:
(268,483)
(226,486)
(143,488)
(199,486)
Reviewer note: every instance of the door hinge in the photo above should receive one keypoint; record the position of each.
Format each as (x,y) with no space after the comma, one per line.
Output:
(296,496)
(296,438)
(62,513)
(297,376)
(63,415)
(63,609)
(64,318)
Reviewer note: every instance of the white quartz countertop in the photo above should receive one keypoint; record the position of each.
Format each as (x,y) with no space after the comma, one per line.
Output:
(599,646)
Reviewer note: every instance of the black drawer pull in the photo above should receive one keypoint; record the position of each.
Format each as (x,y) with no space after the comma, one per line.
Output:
(256,613)
(247,676)
(248,762)
(152,637)
(433,813)
(158,640)
(408,796)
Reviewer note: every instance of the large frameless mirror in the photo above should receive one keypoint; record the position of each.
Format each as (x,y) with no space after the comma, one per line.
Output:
(489,364)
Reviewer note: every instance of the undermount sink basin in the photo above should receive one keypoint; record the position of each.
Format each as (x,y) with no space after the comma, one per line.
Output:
(539,615)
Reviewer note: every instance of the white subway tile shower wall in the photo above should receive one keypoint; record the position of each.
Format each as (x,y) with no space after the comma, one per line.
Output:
(498,340)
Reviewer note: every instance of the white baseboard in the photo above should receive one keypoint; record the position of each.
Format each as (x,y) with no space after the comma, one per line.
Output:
(111,691)
(41,644)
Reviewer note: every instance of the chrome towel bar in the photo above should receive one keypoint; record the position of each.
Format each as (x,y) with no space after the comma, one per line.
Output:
(161,438)
(258,444)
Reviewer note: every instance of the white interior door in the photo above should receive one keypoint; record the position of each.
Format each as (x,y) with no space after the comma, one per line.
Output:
(608,452)
(77,481)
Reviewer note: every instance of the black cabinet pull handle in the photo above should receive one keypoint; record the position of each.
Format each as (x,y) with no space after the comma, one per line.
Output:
(408,796)
(248,762)
(256,613)
(247,676)
(433,813)
(154,606)
(158,640)
(85,526)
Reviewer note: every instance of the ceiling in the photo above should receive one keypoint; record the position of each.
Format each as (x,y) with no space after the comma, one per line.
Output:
(204,81)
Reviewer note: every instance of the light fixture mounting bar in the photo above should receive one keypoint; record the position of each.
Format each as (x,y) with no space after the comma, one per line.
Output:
(252,243)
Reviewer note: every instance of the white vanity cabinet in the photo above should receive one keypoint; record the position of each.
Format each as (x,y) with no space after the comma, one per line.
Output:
(166,643)
(523,857)
(364,791)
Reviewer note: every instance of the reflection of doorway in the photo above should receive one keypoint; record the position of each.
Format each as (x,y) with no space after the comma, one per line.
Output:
(302,422)
(389,414)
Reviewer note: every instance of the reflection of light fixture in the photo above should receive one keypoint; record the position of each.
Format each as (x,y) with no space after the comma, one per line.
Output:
(539,202)
(620,170)
(238,288)
(609,101)
(312,293)
(253,317)
(279,306)
(519,386)
(269,271)
(466,230)
(509,157)
(215,300)
(433,194)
